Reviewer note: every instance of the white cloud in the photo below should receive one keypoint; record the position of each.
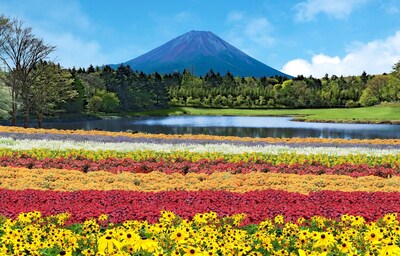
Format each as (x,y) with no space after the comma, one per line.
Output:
(248,33)
(297,67)
(374,57)
(339,9)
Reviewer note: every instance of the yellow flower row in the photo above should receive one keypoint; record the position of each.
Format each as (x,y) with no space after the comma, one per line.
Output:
(275,159)
(69,180)
(12,129)
(206,234)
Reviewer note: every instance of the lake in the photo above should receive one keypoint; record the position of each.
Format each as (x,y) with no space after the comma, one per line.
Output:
(243,126)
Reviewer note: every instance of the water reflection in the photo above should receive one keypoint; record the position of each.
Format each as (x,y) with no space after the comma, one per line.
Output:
(237,126)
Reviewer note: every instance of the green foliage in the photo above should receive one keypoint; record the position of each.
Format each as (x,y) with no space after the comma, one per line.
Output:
(75,105)
(90,82)
(5,102)
(274,92)
(124,90)
(381,88)
(20,53)
(103,101)
(110,101)
(95,103)
(396,70)
(136,90)
(51,86)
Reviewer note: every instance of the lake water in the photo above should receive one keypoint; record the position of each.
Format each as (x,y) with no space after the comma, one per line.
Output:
(243,126)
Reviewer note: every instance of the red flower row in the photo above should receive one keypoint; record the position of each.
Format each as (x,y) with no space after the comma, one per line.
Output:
(258,205)
(117,165)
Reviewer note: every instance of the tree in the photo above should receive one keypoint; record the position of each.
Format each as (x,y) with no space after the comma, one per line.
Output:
(90,69)
(372,94)
(396,70)
(103,101)
(5,100)
(9,82)
(6,78)
(391,91)
(110,101)
(20,52)
(75,105)
(51,86)
(94,104)
(91,83)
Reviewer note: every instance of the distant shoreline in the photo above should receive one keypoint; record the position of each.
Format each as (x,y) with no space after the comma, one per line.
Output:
(366,115)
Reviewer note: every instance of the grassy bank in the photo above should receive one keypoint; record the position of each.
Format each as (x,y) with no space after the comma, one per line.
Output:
(377,114)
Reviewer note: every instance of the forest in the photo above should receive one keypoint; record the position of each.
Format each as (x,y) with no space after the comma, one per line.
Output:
(105,90)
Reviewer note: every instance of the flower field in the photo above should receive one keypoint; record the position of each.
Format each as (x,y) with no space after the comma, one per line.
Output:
(104,193)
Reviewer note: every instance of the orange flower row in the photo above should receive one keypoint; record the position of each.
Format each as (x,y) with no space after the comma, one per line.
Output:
(12,129)
(68,180)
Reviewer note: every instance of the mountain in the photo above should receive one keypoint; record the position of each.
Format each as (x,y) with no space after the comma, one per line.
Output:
(200,51)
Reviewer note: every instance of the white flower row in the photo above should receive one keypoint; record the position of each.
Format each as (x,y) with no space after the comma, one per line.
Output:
(225,148)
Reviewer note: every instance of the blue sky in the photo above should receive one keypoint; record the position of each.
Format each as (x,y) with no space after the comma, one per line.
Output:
(309,37)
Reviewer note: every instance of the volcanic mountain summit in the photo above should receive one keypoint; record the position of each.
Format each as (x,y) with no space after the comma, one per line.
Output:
(200,51)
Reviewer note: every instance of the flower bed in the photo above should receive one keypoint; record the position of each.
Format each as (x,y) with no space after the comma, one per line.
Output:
(258,205)
(205,234)
(71,180)
(269,185)
(179,156)
(225,148)
(118,165)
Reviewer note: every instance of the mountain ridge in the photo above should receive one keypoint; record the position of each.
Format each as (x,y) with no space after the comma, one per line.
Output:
(200,51)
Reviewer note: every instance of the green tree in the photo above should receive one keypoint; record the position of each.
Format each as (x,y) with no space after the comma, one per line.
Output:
(94,104)
(91,83)
(20,52)
(51,86)
(391,91)
(372,95)
(75,105)
(110,101)
(396,70)
(5,100)
(103,101)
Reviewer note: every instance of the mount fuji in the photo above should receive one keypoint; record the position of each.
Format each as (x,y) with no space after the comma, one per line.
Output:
(200,51)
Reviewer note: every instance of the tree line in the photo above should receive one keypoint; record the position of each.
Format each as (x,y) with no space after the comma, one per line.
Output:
(32,86)
(214,90)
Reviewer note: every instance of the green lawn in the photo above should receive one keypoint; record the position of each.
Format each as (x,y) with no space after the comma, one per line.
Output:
(377,114)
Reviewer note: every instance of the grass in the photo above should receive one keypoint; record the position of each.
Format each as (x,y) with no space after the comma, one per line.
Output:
(376,114)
